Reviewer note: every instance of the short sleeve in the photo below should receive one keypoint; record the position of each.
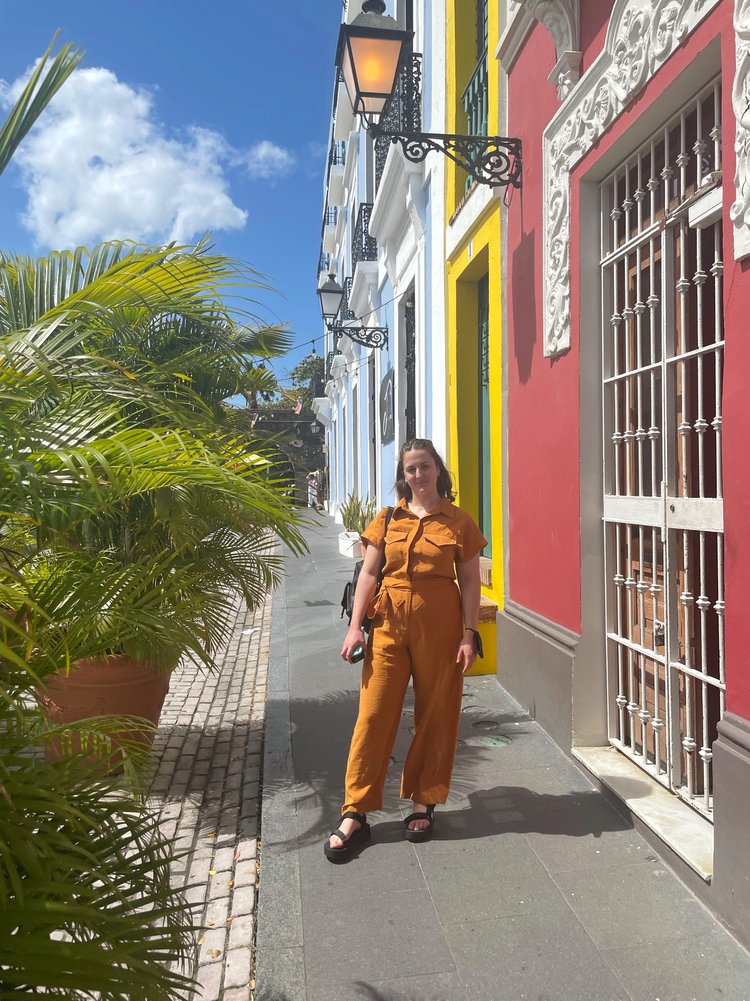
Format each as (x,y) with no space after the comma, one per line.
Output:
(374,534)
(471,541)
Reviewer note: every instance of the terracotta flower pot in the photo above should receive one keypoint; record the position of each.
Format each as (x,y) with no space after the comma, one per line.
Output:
(103,686)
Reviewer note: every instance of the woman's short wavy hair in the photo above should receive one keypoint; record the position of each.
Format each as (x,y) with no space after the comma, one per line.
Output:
(444,480)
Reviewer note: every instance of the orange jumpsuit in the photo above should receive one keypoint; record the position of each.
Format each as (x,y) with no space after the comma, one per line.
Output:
(417,626)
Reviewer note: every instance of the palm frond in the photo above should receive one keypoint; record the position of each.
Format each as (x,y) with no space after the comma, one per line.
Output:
(36,95)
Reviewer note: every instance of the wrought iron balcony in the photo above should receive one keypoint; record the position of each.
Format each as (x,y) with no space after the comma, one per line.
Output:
(324,263)
(345,313)
(474,99)
(329,362)
(403,113)
(475,102)
(332,214)
(337,154)
(364,246)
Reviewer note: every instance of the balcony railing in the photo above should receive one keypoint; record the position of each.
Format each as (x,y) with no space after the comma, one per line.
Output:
(403,113)
(337,153)
(345,313)
(475,103)
(332,214)
(474,99)
(364,246)
(324,263)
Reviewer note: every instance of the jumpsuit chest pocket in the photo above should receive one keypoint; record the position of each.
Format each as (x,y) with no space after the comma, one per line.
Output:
(396,543)
(437,550)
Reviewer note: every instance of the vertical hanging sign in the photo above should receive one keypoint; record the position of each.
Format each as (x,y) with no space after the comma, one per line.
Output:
(387,408)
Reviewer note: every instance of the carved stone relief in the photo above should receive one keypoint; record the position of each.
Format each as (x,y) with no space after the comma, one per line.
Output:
(561,18)
(740,211)
(642,34)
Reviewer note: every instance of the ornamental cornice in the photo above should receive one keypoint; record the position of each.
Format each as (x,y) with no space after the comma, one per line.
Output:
(641,36)
(740,211)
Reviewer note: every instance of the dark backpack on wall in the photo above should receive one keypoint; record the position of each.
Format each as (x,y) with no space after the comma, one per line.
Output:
(347,598)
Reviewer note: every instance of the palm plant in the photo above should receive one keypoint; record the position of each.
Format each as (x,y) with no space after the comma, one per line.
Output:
(133,508)
(140,505)
(86,907)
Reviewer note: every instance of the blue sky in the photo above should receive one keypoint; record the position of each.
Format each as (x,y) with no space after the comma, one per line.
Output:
(187,117)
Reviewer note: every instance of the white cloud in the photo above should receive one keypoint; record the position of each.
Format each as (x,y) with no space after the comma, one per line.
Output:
(267,160)
(99,165)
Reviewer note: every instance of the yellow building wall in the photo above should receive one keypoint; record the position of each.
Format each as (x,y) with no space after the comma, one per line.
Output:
(477,255)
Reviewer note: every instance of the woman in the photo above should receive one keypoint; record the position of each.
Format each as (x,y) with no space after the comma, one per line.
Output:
(312,490)
(423,627)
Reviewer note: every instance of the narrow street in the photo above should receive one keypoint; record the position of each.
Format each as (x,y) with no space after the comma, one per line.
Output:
(533,887)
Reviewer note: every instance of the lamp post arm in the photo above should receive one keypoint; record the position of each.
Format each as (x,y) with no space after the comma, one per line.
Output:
(492,160)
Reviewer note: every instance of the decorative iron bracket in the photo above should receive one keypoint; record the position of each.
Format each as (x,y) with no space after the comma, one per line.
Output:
(368,337)
(492,160)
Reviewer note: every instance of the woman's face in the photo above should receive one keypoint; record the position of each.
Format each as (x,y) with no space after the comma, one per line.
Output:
(420,472)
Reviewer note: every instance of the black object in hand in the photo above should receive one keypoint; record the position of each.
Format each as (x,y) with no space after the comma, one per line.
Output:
(358,653)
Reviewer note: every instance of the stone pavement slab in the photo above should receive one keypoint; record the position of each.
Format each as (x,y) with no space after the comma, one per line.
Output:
(206,787)
(533,887)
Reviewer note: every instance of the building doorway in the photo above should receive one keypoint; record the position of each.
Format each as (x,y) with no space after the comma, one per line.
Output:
(662,364)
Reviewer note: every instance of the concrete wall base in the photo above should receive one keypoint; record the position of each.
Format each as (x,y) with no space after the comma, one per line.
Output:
(535,664)
(731,883)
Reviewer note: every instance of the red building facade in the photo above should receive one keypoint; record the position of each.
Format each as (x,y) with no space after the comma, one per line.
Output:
(626,313)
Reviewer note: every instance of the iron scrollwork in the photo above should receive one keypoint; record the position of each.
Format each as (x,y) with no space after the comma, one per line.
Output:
(492,160)
(364,246)
(368,337)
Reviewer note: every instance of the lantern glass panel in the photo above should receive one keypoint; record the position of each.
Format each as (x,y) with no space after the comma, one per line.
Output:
(369,69)
(330,300)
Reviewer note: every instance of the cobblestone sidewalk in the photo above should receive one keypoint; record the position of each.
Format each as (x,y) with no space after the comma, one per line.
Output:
(208,752)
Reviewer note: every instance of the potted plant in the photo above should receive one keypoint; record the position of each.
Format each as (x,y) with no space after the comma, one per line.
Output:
(86,901)
(144,511)
(356,515)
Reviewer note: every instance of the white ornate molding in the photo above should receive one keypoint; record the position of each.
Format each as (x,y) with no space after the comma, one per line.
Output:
(641,36)
(566,73)
(740,211)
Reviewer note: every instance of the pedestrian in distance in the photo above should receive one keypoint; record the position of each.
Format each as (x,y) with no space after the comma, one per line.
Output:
(424,622)
(312,490)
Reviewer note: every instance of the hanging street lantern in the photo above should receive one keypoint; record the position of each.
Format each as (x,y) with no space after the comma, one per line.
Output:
(330,294)
(370,54)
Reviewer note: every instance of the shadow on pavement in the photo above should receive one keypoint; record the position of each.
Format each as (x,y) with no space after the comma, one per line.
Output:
(321,730)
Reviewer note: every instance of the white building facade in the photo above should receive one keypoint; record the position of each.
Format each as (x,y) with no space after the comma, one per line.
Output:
(383,239)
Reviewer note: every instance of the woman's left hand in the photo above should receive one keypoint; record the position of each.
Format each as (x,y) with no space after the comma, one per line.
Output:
(466,654)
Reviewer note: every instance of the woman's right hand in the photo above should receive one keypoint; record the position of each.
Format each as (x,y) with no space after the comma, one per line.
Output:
(353,639)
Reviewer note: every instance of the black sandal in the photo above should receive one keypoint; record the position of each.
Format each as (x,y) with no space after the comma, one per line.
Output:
(351,843)
(426,832)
